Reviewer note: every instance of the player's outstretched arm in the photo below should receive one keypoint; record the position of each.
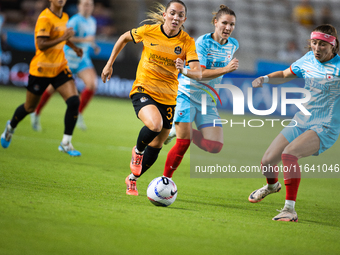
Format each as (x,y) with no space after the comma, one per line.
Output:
(45,43)
(119,45)
(278,77)
(214,73)
(195,71)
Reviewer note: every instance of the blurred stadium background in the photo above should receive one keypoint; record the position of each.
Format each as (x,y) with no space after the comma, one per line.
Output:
(264,30)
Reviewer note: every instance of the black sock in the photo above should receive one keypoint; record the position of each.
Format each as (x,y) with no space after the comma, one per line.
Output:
(149,158)
(145,137)
(71,114)
(19,114)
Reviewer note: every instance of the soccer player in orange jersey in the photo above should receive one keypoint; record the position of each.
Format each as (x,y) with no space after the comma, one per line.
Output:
(166,48)
(49,66)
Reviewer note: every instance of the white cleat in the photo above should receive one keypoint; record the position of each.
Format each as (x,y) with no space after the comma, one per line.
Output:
(35,122)
(259,194)
(286,214)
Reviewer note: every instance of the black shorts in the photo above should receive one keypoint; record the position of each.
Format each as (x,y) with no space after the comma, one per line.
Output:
(37,85)
(139,100)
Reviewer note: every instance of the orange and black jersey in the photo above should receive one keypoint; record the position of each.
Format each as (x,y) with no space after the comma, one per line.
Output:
(50,62)
(156,72)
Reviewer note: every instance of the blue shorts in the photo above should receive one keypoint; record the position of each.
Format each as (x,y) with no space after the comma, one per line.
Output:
(327,137)
(77,64)
(189,111)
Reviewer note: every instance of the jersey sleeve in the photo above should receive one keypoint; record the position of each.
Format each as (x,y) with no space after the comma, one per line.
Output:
(138,33)
(296,69)
(201,52)
(191,54)
(72,23)
(43,27)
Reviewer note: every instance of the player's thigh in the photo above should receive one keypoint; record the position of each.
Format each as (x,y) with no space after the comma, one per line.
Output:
(89,77)
(67,90)
(32,101)
(304,145)
(213,133)
(272,156)
(183,130)
(151,117)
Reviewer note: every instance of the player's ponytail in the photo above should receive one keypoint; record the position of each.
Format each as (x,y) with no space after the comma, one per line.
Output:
(223,10)
(156,17)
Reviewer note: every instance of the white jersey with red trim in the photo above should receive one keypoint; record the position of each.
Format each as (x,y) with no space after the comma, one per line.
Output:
(212,55)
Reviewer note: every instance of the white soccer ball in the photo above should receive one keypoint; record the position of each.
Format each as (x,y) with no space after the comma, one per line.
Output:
(162,191)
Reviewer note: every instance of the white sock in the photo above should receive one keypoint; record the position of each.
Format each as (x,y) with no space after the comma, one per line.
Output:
(272,186)
(66,139)
(139,152)
(290,204)
(132,177)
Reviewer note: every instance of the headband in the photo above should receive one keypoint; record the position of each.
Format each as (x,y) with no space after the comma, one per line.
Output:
(324,37)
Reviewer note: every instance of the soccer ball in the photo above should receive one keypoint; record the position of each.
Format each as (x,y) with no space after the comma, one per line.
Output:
(162,191)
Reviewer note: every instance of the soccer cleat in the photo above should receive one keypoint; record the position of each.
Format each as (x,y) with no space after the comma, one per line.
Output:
(259,194)
(80,122)
(6,136)
(68,148)
(136,162)
(171,136)
(35,122)
(286,214)
(131,187)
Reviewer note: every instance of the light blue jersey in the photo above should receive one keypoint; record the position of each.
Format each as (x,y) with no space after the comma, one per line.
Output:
(212,55)
(82,27)
(323,82)
(2,19)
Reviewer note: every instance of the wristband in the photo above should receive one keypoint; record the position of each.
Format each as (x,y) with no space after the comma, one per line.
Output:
(185,71)
(265,79)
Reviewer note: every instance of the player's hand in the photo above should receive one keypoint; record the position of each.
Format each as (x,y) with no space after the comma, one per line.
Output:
(257,83)
(97,49)
(179,64)
(106,73)
(79,51)
(68,33)
(232,66)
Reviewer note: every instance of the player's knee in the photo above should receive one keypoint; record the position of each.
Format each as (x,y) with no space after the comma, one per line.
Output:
(215,147)
(73,102)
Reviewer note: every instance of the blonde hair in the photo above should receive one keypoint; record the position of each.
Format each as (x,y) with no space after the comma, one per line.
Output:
(223,10)
(156,17)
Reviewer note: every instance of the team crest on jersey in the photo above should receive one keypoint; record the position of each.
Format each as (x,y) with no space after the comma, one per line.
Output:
(329,77)
(178,50)
(144,99)
(40,69)
(36,87)
(140,89)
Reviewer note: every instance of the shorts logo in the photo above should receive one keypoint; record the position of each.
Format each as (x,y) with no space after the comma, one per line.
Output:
(144,99)
(181,113)
(178,50)
(36,87)
(140,89)
(329,77)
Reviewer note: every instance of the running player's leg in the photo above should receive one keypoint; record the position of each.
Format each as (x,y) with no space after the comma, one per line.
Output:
(269,162)
(89,77)
(35,116)
(20,113)
(69,93)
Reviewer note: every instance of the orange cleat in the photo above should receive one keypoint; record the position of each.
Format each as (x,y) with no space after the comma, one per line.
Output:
(131,187)
(136,162)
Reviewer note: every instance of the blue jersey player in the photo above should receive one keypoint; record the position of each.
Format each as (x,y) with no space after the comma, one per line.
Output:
(85,27)
(309,134)
(215,52)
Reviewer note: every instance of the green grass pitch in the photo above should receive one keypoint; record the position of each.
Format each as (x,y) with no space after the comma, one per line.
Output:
(51,203)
